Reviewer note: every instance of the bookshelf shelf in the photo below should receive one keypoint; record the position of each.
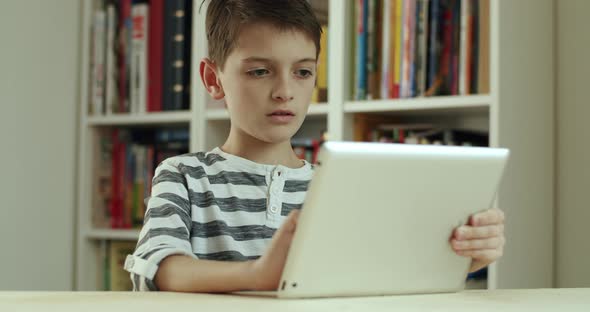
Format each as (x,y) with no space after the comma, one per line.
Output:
(315,109)
(217,114)
(160,118)
(319,109)
(112,234)
(448,104)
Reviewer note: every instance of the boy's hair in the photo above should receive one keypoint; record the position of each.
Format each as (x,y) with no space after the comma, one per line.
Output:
(226,17)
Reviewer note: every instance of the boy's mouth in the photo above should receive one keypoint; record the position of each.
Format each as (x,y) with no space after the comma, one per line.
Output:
(281,116)
(282,112)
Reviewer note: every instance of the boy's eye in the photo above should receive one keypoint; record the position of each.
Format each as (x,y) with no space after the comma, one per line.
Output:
(258,72)
(304,73)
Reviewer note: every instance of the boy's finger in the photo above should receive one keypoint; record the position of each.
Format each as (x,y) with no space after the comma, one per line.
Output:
(290,223)
(474,244)
(488,217)
(481,254)
(470,232)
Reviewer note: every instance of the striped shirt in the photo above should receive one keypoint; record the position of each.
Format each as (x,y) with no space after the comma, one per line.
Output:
(213,206)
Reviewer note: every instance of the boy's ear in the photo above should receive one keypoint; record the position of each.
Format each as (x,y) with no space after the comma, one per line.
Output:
(208,71)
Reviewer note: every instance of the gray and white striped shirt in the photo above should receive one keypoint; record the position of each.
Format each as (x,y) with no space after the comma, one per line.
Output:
(214,206)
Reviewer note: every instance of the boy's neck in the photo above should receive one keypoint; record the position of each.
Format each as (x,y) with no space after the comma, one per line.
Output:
(261,152)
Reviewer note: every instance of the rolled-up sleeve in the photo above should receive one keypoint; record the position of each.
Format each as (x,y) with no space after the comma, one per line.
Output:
(166,228)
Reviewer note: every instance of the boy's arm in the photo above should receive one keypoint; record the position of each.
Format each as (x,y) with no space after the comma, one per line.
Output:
(186,274)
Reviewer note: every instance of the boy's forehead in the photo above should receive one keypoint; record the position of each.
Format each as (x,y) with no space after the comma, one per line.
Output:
(263,40)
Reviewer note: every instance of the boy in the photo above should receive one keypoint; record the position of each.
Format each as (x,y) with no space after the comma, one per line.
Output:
(223,220)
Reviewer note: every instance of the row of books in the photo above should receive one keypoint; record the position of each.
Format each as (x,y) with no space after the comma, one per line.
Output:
(386,130)
(306,149)
(410,48)
(427,134)
(124,170)
(140,56)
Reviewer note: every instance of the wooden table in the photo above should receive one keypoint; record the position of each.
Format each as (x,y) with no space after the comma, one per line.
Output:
(560,300)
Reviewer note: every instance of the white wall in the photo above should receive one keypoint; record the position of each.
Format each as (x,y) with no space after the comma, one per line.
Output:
(38,97)
(573,154)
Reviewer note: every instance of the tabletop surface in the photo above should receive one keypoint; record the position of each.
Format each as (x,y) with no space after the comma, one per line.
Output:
(570,299)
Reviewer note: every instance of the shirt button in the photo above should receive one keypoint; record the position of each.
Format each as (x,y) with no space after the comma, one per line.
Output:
(274,209)
(129,262)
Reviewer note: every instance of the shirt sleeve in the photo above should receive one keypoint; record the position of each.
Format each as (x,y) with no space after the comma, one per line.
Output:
(166,228)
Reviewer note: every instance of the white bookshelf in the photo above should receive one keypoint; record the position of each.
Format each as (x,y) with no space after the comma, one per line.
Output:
(422,105)
(111,234)
(160,118)
(517,112)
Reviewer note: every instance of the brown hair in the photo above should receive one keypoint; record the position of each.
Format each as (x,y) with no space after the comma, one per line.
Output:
(226,17)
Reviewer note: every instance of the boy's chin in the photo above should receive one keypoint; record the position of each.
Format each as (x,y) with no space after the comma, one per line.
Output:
(277,137)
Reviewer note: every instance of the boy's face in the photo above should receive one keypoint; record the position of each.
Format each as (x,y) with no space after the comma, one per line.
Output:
(267,81)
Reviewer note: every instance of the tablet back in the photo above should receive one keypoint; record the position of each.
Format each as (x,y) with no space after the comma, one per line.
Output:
(378,217)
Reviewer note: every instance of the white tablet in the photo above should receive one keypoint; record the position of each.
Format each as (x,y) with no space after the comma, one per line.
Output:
(378,217)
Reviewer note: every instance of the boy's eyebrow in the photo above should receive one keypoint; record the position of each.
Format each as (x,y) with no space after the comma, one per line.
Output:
(267,60)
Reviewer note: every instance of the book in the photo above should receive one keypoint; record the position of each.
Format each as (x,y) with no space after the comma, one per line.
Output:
(455,48)
(124,56)
(373,49)
(386,47)
(111,90)
(98,62)
(176,54)
(420,54)
(362,7)
(433,80)
(398,53)
(155,64)
(139,58)
(463,49)
(483,63)
(119,279)
(474,53)
(321,88)
(103,172)
(407,58)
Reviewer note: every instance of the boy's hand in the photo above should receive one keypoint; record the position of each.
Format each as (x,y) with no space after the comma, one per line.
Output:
(266,270)
(482,239)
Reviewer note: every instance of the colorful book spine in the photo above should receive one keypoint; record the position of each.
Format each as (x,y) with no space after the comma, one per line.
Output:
(447,42)
(140,16)
(463,49)
(386,47)
(321,88)
(483,63)
(407,52)
(421,47)
(433,48)
(398,44)
(361,52)
(176,54)
(155,64)
(373,49)
(111,91)
(455,49)
(474,47)
(98,62)
(125,25)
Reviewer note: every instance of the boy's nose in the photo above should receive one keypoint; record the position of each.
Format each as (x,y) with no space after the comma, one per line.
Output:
(282,91)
